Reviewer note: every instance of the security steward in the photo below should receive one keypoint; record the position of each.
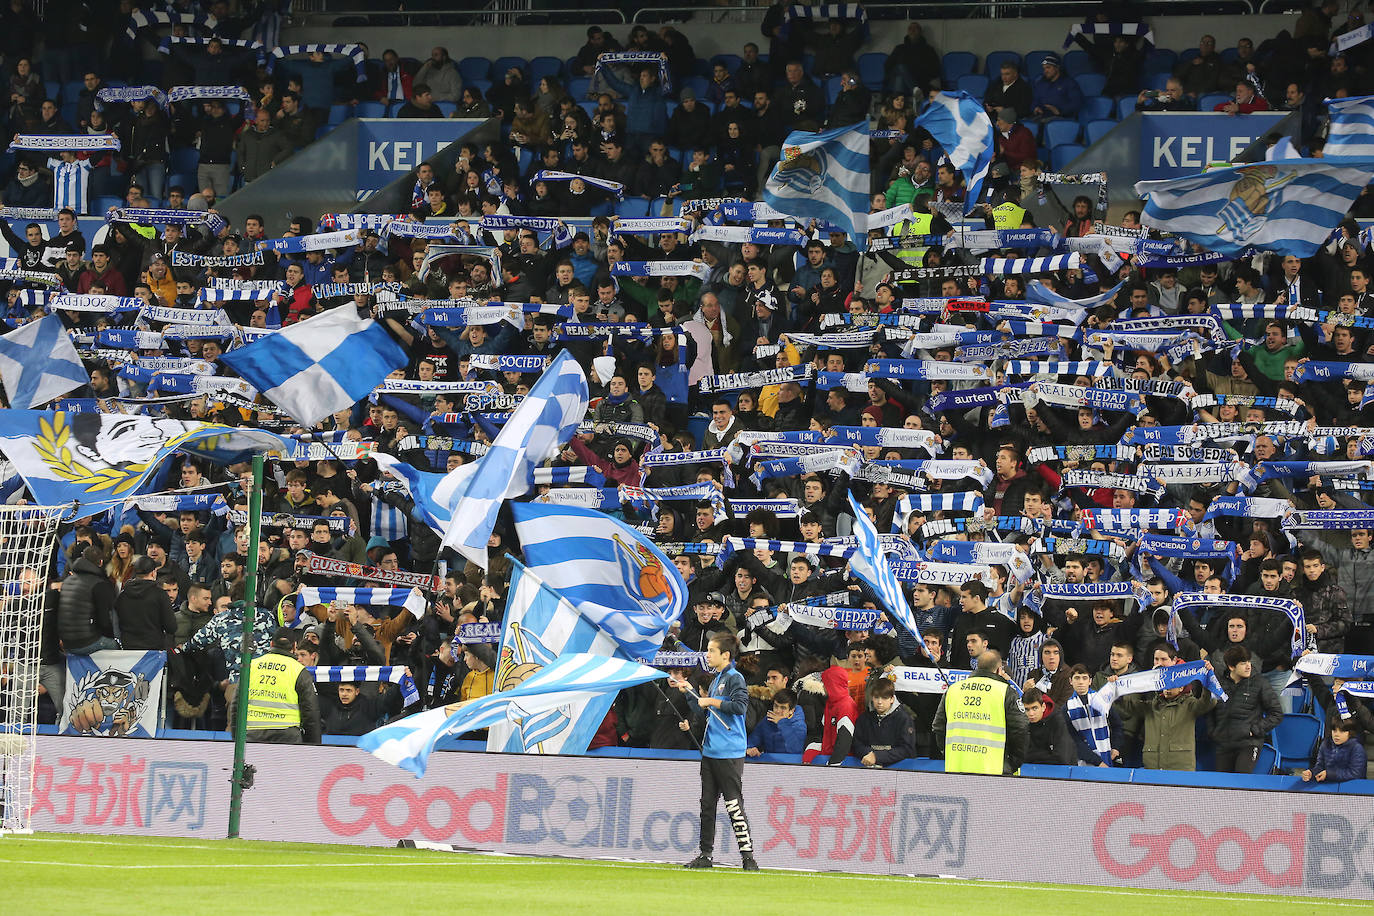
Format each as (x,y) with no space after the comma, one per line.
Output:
(283,707)
(981,722)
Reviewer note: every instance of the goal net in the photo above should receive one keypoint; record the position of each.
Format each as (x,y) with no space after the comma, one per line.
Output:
(28,535)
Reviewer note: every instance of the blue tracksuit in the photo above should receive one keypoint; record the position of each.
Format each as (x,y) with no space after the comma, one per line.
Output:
(729,686)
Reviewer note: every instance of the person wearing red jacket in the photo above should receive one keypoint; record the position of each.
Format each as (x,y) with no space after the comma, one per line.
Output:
(840,715)
(620,470)
(1246,101)
(1015,143)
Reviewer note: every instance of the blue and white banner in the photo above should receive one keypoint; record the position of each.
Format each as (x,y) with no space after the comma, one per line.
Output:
(1345,667)
(1168,678)
(409,598)
(571,680)
(539,625)
(1352,128)
(615,577)
(1173,145)
(869,564)
(961,127)
(825,176)
(926,680)
(113,694)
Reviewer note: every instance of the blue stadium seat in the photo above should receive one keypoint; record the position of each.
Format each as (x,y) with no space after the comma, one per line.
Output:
(1125,106)
(474,68)
(502,64)
(370,110)
(541,67)
(1161,60)
(482,86)
(338,114)
(186,181)
(669,106)
(588,107)
(71,91)
(102,204)
(1295,738)
(1212,100)
(1060,130)
(605,208)
(448,108)
(322,130)
(633,208)
(577,86)
(698,84)
(1077,63)
(731,61)
(871,70)
(992,64)
(1185,56)
(184,159)
(831,88)
(701,67)
(52,89)
(1095,109)
(1092,84)
(1157,81)
(68,112)
(1042,154)
(975,84)
(1033,59)
(808,62)
(1265,762)
(956,64)
(1096,130)
(1064,153)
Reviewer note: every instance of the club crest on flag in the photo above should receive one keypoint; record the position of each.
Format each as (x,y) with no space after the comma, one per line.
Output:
(644,577)
(523,656)
(1249,200)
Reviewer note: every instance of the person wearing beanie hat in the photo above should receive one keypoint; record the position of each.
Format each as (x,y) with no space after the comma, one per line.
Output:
(1056,94)
(1015,143)
(480,659)
(283,707)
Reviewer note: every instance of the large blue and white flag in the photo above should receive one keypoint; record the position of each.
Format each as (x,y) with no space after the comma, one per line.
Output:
(88,457)
(320,365)
(571,679)
(824,176)
(1166,678)
(869,563)
(614,576)
(38,362)
(1288,205)
(539,626)
(547,417)
(1352,128)
(436,495)
(113,693)
(1038,292)
(961,127)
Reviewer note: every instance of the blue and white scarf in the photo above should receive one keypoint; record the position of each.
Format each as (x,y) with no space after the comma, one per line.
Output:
(1135,519)
(631,58)
(73,302)
(124,94)
(1021,266)
(151,19)
(660,269)
(1329,519)
(1289,607)
(759,235)
(209,294)
(649,225)
(188,259)
(356,52)
(613,187)
(77,143)
(347,674)
(560,236)
(929,369)
(1090,724)
(1167,678)
(1126,29)
(743,381)
(296,244)
(310,595)
(563,476)
(149,216)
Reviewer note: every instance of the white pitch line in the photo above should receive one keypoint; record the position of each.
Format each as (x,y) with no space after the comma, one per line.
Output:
(136,841)
(365,864)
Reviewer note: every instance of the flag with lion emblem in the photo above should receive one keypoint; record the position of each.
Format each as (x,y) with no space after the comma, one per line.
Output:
(1287,205)
(614,576)
(407,743)
(824,176)
(93,457)
(538,626)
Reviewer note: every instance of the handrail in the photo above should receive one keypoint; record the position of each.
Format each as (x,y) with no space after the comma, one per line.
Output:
(978,9)
(404,17)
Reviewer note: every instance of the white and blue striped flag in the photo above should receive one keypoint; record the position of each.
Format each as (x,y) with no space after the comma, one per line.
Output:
(407,743)
(1288,205)
(320,365)
(547,417)
(1352,128)
(957,122)
(538,626)
(869,563)
(824,176)
(38,362)
(614,576)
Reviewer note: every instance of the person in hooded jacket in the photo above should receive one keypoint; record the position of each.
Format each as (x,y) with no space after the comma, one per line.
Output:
(146,619)
(85,608)
(1049,739)
(621,470)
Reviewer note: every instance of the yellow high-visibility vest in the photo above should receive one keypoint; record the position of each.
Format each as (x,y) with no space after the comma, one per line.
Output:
(271,684)
(919,224)
(1007,216)
(975,726)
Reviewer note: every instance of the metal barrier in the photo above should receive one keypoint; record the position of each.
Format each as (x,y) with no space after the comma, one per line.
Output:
(980,9)
(310,12)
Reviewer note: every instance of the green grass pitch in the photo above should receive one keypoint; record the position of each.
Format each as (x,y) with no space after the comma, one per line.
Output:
(57,874)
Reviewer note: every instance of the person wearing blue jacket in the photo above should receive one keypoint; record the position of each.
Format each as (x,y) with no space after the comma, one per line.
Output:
(1056,95)
(722,750)
(646,117)
(1338,759)
(783,731)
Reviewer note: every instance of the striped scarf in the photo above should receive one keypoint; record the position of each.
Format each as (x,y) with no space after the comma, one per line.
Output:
(358,55)
(1091,724)
(348,674)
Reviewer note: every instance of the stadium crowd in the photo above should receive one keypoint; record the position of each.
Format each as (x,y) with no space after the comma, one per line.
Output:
(738,343)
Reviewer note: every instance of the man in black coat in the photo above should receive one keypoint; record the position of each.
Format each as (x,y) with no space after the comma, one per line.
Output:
(85,607)
(146,619)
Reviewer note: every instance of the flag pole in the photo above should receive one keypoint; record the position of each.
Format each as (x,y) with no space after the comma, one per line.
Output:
(250,608)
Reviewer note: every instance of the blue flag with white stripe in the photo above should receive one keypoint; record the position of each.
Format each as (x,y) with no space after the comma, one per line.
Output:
(38,363)
(320,365)
(824,176)
(547,417)
(869,563)
(538,626)
(571,679)
(1352,128)
(614,576)
(960,125)
(1288,205)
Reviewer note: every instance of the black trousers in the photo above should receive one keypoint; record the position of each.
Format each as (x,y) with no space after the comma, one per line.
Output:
(724,778)
(1237,758)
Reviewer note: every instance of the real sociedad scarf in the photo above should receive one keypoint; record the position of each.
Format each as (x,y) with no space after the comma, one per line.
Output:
(929,369)
(172,315)
(649,225)
(150,216)
(338,523)
(925,680)
(1068,546)
(665,459)
(330,566)
(1002,238)
(696,269)
(1182,260)
(410,229)
(1345,667)
(639,431)
(1329,519)
(76,143)
(560,234)
(181,502)
(1081,453)
(1190,548)
(1326,371)
(509,363)
(73,302)
(1135,519)
(759,235)
(1157,679)
(1246,400)
(975,524)
(147,19)
(1021,266)
(124,94)
(352,51)
(462,316)
(855,620)
(1091,724)
(1289,607)
(310,595)
(986,553)
(336,290)
(1082,478)
(845,340)
(1180,474)
(831,460)
(931,573)
(347,674)
(1091,367)
(968,397)
(1247,507)
(1087,591)
(1012,349)
(188,259)
(322,241)
(227,93)
(645,500)
(822,549)
(1096,398)
(613,187)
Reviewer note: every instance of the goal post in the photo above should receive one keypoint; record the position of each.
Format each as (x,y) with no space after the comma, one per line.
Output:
(28,536)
